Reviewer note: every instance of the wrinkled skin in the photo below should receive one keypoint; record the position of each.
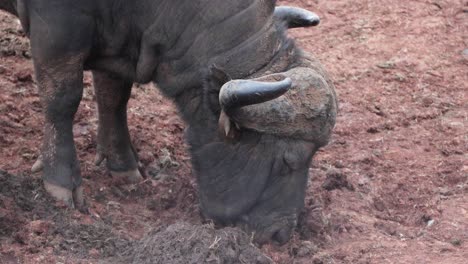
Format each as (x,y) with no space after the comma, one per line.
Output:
(257,179)
(251,160)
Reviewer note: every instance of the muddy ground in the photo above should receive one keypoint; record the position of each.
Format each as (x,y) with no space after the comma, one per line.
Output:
(391,187)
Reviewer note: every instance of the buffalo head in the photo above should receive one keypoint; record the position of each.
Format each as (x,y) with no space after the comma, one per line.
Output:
(252,140)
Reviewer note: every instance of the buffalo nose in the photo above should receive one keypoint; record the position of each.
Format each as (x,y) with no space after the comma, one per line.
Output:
(282,236)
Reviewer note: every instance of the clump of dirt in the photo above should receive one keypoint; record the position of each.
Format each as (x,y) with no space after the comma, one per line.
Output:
(31,219)
(83,239)
(187,243)
(19,196)
(336,180)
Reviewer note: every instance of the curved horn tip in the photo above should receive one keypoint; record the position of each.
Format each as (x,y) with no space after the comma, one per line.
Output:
(287,81)
(296,17)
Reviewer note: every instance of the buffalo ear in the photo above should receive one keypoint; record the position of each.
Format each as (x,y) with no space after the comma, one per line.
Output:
(214,79)
(218,76)
(227,129)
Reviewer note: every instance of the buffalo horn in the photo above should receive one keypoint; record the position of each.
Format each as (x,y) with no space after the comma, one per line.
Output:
(238,93)
(296,17)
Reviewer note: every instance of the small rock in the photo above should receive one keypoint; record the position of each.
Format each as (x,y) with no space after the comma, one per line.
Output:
(27,54)
(338,164)
(465,54)
(379,204)
(445,191)
(430,222)
(427,101)
(307,248)
(400,77)
(386,65)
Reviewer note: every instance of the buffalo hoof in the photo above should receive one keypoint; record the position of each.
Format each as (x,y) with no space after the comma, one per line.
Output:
(128,177)
(99,158)
(282,236)
(38,165)
(73,199)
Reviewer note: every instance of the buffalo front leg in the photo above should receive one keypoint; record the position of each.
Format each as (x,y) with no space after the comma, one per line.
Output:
(60,38)
(60,86)
(114,143)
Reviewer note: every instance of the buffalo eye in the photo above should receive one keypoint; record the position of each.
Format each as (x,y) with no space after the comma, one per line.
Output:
(214,80)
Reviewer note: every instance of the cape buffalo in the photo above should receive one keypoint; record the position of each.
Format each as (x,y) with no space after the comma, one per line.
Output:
(257,108)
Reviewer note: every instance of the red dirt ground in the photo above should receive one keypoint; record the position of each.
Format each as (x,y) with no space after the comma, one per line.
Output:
(391,187)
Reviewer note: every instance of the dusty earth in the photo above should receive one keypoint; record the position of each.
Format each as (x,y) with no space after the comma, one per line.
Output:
(391,187)
(186,243)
